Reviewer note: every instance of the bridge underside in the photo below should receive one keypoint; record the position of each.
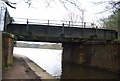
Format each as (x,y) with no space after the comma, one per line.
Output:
(46,33)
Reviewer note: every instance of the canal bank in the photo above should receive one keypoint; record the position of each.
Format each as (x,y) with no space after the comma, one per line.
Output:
(51,58)
(25,69)
(37,69)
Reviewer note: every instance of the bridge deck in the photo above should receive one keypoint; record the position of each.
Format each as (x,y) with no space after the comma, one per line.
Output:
(46,33)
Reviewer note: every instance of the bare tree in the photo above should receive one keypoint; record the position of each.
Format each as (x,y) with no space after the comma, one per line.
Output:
(75,18)
(71,18)
(75,3)
(111,5)
(83,17)
(9,3)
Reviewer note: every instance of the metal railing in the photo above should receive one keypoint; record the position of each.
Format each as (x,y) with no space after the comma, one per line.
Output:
(53,22)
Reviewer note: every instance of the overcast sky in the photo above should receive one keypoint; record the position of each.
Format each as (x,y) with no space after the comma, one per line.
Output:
(56,11)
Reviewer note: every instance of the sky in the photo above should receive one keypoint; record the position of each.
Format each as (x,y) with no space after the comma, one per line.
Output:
(56,10)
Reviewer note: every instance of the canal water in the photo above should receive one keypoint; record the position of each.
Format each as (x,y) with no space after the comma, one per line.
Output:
(50,60)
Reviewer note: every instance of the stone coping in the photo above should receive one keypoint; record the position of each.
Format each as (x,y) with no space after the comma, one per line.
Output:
(38,70)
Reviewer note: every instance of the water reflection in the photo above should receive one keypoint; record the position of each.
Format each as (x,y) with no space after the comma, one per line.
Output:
(75,71)
(50,60)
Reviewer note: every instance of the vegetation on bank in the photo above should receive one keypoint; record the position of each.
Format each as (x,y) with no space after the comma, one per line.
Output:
(8,35)
(113,20)
(116,40)
(57,46)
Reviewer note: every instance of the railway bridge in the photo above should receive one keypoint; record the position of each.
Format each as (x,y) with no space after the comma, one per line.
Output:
(81,44)
(54,33)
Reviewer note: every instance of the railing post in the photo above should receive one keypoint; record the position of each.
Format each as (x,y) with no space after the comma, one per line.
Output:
(63,29)
(48,22)
(96,30)
(69,24)
(27,26)
(84,25)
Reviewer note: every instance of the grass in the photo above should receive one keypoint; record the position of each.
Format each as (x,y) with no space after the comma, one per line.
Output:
(6,34)
(117,40)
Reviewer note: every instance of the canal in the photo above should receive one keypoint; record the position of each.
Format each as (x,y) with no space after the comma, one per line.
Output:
(51,61)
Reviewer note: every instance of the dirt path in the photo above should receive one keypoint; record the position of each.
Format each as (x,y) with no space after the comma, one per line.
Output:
(19,71)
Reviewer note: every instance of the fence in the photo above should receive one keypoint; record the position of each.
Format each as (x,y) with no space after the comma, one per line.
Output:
(53,22)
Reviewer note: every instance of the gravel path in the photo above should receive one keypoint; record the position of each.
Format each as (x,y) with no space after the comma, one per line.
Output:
(19,71)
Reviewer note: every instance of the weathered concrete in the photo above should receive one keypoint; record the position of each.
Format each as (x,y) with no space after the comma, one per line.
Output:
(105,56)
(7,50)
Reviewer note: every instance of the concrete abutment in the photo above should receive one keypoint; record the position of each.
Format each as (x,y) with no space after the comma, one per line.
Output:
(7,50)
(104,56)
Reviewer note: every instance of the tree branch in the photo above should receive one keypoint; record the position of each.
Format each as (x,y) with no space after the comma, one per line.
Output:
(48,3)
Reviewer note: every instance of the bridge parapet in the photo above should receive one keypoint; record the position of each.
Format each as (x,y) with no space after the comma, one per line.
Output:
(47,33)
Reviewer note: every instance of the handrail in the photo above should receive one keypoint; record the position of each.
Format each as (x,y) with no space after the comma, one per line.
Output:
(52,22)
